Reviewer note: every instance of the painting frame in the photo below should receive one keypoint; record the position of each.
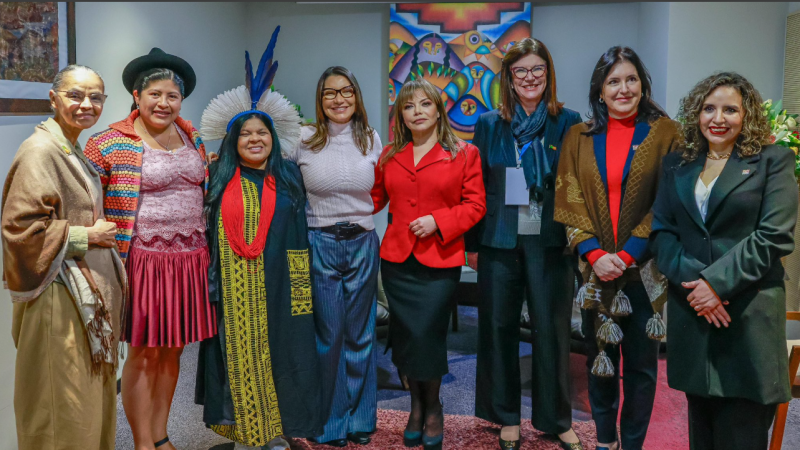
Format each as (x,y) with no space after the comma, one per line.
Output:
(458,47)
(40,107)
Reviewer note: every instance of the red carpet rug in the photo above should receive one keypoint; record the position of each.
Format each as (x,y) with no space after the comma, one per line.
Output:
(461,432)
(668,427)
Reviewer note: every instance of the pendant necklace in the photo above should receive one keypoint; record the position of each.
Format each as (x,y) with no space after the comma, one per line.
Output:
(169,141)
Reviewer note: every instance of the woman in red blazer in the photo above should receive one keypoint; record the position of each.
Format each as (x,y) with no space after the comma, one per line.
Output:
(434,183)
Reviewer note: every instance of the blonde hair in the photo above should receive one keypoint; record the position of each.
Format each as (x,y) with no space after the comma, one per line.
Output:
(402,135)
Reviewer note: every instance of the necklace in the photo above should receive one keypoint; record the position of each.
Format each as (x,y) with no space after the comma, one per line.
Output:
(169,141)
(717,158)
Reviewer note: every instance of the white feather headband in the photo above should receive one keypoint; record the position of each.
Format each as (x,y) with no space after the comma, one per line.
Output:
(255,97)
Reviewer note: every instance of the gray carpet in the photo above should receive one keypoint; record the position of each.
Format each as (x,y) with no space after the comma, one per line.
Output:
(187,431)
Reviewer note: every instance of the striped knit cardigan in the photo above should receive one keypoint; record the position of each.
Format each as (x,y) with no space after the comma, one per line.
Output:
(116,154)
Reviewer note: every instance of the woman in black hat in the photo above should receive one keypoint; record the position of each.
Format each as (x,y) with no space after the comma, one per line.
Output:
(152,166)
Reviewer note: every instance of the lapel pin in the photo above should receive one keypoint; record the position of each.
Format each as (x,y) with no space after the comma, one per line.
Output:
(746,172)
(635,147)
(553,147)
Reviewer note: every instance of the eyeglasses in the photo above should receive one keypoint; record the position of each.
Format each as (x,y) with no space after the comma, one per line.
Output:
(330,93)
(521,72)
(78,97)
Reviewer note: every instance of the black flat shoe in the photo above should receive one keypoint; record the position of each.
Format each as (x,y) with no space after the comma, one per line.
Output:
(572,445)
(336,443)
(510,445)
(359,437)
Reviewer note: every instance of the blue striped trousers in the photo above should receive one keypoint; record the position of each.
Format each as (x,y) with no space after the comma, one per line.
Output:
(344,285)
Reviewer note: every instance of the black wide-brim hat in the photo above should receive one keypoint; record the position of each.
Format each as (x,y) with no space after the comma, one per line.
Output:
(158,59)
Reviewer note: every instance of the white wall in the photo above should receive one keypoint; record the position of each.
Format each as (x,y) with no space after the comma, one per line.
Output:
(653,45)
(679,42)
(315,37)
(108,36)
(577,35)
(707,37)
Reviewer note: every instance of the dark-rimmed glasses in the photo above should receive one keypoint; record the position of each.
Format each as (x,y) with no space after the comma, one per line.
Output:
(330,93)
(521,72)
(78,97)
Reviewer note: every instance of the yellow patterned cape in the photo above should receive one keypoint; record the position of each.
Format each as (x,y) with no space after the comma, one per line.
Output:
(244,301)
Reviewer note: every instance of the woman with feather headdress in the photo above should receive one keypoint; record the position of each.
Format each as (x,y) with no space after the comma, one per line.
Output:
(258,378)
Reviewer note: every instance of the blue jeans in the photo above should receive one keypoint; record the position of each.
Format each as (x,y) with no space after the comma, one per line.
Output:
(344,276)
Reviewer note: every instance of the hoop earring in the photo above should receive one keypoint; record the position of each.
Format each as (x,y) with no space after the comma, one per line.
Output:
(601,100)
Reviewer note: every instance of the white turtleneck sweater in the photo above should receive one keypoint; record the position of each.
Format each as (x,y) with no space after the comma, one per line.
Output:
(338,178)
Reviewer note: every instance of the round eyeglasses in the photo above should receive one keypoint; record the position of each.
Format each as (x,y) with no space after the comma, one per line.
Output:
(521,72)
(330,93)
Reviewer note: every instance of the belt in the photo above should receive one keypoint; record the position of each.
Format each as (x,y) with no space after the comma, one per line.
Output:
(342,230)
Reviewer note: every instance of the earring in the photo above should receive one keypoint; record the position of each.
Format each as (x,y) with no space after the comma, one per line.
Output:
(601,99)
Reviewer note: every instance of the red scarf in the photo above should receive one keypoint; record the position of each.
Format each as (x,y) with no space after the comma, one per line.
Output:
(232,211)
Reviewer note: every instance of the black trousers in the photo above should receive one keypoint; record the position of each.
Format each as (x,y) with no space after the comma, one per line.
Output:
(420,302)
(546,273)
(639,374)
(718,423)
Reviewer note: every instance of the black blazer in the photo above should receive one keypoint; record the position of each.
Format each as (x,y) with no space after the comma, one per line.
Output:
(752,212)
(498,229)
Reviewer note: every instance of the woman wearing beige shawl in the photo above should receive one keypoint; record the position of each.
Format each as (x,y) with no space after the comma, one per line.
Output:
(65,278)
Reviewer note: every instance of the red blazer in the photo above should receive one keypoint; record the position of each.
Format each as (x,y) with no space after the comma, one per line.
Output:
(451,190)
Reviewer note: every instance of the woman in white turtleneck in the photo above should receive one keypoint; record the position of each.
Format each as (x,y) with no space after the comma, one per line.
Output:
(337,157)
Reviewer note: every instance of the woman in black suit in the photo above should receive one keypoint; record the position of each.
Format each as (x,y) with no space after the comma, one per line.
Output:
(723,217)
(521,250)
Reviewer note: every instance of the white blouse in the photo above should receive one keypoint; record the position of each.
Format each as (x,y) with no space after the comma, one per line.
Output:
(702,194)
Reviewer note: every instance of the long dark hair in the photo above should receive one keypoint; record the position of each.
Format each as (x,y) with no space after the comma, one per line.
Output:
(222,171)
(148,77)
(362,133)
(648,110)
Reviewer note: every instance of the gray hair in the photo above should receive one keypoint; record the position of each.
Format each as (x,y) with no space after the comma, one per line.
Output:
(58,81)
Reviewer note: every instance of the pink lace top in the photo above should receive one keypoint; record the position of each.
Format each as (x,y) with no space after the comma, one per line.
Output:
(171,198)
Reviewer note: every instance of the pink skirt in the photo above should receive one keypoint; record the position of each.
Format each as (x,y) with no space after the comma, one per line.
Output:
(169,304)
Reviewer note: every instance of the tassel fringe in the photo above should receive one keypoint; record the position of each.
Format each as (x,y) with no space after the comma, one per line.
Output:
(588,296)
(656,329)
(610,332)
(602,366)
(621,306)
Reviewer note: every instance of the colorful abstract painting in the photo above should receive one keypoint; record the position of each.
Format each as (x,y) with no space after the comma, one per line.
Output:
(459,48)
(29,41)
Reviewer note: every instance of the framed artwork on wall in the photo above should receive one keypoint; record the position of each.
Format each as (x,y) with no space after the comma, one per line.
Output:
(37,39)
(459,48)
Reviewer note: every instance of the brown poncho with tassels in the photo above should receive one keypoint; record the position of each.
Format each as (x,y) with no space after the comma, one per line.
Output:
(582,206)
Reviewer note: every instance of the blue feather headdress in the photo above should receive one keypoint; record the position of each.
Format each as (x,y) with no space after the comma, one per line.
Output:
(255,96)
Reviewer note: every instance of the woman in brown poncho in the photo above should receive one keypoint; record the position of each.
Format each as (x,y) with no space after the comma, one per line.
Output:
(606,185)
(65,278)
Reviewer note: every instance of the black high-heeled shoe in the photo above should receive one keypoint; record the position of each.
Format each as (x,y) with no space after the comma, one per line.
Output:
(434,442)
